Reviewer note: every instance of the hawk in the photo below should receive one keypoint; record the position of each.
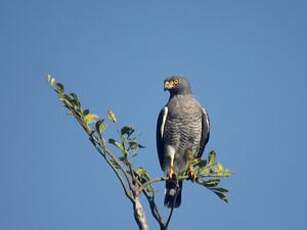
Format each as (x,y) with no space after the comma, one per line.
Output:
(183,125)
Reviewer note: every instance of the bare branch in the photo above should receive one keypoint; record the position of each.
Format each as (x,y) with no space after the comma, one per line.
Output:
(139,214)
(172,208)
(152,181)
(116,171)
(169,217)
(154,209)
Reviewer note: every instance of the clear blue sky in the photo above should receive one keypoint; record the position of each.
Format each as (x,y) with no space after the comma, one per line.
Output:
(246,61)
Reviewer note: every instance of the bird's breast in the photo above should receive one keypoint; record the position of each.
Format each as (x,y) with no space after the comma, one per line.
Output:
(183,124)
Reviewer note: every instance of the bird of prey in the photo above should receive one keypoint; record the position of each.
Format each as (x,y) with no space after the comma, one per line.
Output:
(183,125)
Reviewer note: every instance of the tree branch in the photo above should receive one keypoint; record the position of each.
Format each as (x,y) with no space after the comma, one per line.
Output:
(172,210)
(139,214)
(150,182)
(154,209)
(104,152)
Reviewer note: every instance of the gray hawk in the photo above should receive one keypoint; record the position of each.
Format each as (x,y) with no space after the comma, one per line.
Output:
(183,126)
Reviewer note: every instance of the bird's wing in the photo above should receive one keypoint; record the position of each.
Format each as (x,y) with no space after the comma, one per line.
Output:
(205,133)
(160,132)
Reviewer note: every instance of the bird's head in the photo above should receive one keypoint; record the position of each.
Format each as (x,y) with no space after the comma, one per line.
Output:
(177,85)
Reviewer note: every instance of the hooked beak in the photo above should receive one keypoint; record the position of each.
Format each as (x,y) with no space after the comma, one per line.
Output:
(168,85)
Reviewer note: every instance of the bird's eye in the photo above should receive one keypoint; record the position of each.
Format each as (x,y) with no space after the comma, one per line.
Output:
(176,81)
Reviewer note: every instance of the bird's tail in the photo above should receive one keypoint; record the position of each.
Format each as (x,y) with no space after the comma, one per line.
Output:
(173,193)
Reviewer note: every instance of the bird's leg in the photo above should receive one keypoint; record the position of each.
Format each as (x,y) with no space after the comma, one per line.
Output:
(191,173)
(172,174)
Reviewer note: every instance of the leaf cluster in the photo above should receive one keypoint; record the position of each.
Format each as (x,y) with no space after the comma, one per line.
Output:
(127,143)
(208,173)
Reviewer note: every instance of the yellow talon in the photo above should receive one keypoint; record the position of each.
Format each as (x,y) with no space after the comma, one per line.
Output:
(172,174)
(192,174)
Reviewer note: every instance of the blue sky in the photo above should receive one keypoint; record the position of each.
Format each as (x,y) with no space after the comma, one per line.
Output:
(246,61)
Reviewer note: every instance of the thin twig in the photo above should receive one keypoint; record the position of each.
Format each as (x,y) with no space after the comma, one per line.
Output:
(180,178)
(169,217)
(102,153)
(131,171)
(127,162)
(172,208)
(139,213)
(154,209)
(152,181)
(124,172)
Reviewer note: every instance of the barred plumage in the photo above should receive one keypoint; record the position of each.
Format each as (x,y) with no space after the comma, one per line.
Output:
(182,125)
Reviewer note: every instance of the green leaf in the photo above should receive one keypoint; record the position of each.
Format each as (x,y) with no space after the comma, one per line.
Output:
(212,158)
(100,126)
(221,195)
(211,182)
(199,163)
(85,112)
(204,171)
(66,100)
(119,146)
(112,117)
(143,177)
(122,158)
(141,146)
(74,96)
(51,80)
(58,87)
(227,173)
(140,171)
(133,145)
(91,118)
(127,130)
(115,143)
(223,190)
(220,169)
(75,99)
